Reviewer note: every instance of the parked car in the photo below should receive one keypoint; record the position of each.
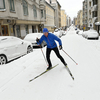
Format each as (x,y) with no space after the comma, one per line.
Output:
(58,33)
(32,38)
(77,31)
(63,32)
(80,32)
(76,28)
(91,34)
(13,47)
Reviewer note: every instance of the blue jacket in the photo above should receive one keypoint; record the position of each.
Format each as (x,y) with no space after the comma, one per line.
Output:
(50,40)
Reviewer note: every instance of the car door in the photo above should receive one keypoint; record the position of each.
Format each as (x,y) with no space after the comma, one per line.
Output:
(20,46)
(8,48)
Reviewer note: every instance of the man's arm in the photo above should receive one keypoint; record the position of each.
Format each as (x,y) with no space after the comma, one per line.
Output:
(39,41)
(57,39)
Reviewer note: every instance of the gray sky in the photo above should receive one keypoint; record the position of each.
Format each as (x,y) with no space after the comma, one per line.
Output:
(71,6)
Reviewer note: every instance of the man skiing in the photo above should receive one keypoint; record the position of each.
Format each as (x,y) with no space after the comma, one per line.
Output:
(50,38)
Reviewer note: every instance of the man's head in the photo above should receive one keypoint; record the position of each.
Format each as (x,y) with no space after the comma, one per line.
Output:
(45,32)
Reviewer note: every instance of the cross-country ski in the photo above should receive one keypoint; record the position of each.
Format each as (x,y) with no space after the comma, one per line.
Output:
(42,73)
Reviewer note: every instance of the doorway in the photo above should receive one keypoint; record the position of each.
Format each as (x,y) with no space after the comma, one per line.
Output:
(18,31)
(33,29)
(4,29)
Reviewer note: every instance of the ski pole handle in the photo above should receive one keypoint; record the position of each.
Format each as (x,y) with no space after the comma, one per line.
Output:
(69,56)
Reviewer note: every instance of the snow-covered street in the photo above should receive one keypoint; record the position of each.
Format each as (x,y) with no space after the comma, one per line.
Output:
(57,83)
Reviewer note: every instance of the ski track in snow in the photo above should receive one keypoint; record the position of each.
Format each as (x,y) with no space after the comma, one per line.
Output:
(57,83)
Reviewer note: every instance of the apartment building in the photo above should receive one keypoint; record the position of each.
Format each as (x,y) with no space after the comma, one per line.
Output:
(56,5)
(96,14)
(20,17)
(85,14)
(90,22)
(69,22)
(91,12)
(59,14)
(63,19)
(50,15)
(80,19)
(75,21)
(98,28)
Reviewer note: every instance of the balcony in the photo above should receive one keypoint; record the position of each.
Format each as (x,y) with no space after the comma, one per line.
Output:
(90,8)
(85,10)
(95,2)
(42,4)
(95,8)
(94,19)
(90,17)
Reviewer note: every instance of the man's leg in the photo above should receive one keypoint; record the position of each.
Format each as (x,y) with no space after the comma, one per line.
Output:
(48,51)
(59,56)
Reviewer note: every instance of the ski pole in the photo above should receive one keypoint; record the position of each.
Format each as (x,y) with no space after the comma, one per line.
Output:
(69,56)
(44,56)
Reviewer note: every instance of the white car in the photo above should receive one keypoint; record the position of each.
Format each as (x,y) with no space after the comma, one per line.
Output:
(80,32)
(32,38)
(91,34)
(77,31)
(13,47)
(58,33)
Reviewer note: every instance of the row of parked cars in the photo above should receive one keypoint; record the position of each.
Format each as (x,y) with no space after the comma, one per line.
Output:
(90,34)
(12,47)
(59,32)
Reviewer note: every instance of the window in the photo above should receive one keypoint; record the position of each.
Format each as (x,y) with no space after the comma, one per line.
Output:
(18,31)
(12,7)
(26,28)
(2,4)
(25,7)
(41,13)
(45,13)
(35,11)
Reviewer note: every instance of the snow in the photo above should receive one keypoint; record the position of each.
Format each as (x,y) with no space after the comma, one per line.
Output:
(32,37)
(91,33)
(57,83)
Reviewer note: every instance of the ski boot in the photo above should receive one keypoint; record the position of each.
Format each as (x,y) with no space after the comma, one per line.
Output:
(65,64)
(50,67)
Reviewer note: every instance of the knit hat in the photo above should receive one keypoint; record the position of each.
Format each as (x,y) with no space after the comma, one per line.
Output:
(45,30)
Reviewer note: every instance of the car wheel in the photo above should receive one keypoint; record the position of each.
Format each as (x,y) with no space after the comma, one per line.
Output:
(29,49)
(97,38)
(3,60)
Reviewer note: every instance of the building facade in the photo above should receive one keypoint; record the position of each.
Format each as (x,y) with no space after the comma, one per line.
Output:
(98,27)
(20,17)
(50,11)
(75,21)
(80,19)
(69,22)
(85,14)
(59,14)
(56,5)
(63,19)
(91,13)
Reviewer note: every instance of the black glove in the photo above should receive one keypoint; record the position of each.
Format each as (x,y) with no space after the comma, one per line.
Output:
(37,40)
(60,47)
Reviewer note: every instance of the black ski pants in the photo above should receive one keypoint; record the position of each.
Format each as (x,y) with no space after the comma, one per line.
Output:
(48,51)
